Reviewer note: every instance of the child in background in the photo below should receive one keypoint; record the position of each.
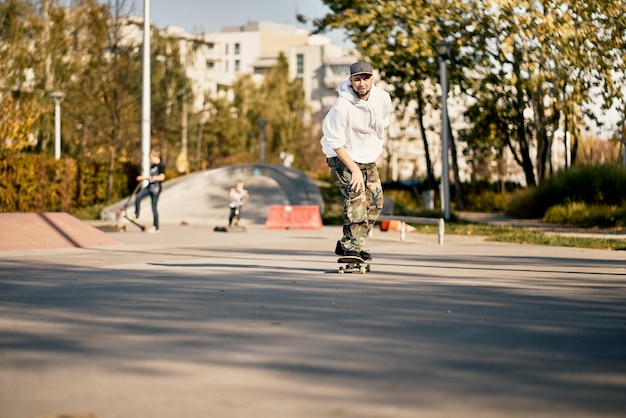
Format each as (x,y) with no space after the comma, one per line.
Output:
(237,196)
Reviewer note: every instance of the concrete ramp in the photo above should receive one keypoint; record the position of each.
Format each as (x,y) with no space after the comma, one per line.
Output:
(201,198)
(47,230)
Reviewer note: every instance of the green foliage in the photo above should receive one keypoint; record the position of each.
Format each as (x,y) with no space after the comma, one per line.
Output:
(519,235)
(16,123)
(599,185)
(487,201)
(36,183)
(587,216)
(404,201)
(483,196)
(526,65)
(532,237)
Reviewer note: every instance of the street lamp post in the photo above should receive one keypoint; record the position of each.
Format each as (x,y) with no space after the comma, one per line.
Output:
(262,123)
(443,49)
(58,97)
(145,98)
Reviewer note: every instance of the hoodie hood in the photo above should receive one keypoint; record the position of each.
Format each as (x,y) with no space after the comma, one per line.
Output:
(357,125)
(346,91)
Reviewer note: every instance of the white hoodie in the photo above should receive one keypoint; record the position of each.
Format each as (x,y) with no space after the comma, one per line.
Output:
(356,124)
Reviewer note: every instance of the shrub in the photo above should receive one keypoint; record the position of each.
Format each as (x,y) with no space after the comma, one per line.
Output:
(586,216)
(38,183)
(599,185)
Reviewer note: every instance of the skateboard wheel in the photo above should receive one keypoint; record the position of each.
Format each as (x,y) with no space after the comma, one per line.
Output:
(362,269)
(340,271)
(368,268)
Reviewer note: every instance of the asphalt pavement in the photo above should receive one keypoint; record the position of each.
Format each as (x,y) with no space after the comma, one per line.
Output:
(195,323)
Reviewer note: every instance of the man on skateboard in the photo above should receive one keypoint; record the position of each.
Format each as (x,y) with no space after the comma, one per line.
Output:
(354,135)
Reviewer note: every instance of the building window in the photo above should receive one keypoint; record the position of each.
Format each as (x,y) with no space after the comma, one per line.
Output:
(300,63)
(237,47)
(226,49)
(237,66)
(340,69)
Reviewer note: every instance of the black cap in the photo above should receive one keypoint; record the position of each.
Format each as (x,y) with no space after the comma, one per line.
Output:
(360,68)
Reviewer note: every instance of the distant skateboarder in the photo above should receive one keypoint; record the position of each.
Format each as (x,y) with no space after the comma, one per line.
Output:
(237,195)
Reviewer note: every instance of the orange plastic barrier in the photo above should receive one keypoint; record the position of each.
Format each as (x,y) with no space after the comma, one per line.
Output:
(294,217)
(395,226)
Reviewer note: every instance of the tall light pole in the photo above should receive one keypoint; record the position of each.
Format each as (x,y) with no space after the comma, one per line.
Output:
(443,49)
(58,97)
(262,123)
(145,98)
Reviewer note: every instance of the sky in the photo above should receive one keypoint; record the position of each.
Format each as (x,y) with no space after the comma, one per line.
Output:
(207,16)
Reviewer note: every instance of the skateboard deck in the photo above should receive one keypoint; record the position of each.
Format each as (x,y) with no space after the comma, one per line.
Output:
(351,264)
(234,228)
(123,214)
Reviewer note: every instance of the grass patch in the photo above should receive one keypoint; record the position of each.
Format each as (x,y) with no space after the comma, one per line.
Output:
(520,235)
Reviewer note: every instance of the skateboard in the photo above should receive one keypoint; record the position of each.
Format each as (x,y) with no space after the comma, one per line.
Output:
(234,228)
(353,264)
(124,215)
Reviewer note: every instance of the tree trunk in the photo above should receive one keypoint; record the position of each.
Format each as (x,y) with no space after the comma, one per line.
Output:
(430,174)
(543,143)
(111,172)
(520,131)
(199,146)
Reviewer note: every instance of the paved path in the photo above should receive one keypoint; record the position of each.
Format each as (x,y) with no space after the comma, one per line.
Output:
(194,323)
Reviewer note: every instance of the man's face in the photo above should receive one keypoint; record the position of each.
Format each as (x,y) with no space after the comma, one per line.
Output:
(361,84)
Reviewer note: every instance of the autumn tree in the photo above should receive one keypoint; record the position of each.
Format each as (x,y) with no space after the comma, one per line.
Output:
(16,124)
(19,108)
(397,37)
(233,129)
(281,102)
(528,65)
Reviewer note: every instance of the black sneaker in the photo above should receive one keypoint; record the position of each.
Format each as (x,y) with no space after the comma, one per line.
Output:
(365,256)
(351,253)
(339,249)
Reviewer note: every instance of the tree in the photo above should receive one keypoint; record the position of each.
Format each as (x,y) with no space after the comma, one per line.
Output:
(282,105)
(531,61)
(397,37)
(233,131)
(543,61)
(16,124)
(19,108)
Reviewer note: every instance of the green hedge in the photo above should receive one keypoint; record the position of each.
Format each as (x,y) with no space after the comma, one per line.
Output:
(596,185)
(36,183)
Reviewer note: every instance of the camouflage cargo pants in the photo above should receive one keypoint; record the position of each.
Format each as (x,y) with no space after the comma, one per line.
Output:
(360,209)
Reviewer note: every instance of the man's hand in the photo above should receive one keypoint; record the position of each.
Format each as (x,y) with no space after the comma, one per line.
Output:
(357,183)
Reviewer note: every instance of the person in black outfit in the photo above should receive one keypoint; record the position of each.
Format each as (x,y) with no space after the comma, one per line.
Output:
(152,188)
